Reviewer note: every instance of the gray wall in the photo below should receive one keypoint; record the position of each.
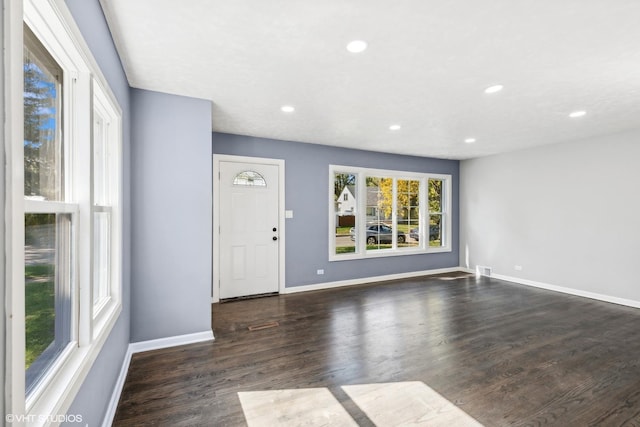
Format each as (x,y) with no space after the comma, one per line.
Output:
(171,215)
(93,397)
(307,180)
(566,213)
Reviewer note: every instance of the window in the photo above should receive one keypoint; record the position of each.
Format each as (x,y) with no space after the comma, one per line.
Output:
(49,215)
(344,216)
(408,208)
(44,169)
(379,236)
(250,178)
(106,153)
(436,213)
(345,197)
(393,216)
(71,157)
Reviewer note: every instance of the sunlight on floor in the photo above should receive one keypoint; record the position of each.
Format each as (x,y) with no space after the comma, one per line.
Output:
(298,407)
(409,403)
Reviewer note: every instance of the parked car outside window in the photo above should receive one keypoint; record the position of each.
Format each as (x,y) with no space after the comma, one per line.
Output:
(379,233)
(434,233)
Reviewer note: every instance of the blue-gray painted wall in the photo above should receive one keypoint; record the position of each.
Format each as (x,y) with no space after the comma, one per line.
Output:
(171,190)
(306,193)
(94,394)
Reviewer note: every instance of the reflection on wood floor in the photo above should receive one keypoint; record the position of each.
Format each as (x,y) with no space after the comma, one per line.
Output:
(497,354)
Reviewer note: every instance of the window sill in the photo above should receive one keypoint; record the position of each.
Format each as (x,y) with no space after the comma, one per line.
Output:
(383,253)
(53,398)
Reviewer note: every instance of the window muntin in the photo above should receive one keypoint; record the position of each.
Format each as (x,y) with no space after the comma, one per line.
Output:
(394,216)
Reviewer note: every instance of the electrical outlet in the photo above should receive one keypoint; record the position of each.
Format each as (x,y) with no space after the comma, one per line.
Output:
(517,267)
(320,271)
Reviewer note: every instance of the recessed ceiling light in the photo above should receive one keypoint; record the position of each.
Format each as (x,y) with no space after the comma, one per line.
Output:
(287,109)
(494,89)
(394,127)
(357,46)
(470,140)
(577,114)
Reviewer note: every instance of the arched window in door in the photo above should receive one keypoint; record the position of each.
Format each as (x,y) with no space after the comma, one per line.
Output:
(249,178)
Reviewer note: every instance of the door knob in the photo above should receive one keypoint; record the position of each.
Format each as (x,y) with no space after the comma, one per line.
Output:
(275,238)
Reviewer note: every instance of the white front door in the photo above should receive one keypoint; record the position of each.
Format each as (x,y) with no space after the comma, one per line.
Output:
(249,234)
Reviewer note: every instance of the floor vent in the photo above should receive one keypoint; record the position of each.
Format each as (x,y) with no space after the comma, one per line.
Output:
(483,271)
(263,326)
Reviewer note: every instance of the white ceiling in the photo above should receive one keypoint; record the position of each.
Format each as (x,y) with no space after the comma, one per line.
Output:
(426,68)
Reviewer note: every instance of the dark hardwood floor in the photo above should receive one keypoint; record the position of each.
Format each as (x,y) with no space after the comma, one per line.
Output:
(505,354)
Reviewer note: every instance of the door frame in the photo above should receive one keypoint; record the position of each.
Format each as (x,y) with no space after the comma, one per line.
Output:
(217,159)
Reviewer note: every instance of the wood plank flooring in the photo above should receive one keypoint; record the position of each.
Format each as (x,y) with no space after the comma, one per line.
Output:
(505,354)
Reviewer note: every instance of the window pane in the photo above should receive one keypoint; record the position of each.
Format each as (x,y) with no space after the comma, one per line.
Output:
(345,201)
(379,213)
(435,195)
(408,206)
(43,150)
(250,178)
(436,205)
(101,256)
(47,291)
(100,161)
(435,230)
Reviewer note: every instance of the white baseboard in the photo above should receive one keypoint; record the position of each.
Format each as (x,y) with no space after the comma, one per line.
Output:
(362,281)
(565,290)
(138,347)
(365,280)
(117,390)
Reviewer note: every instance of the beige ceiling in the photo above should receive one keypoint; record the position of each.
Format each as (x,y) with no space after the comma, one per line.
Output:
(426,68)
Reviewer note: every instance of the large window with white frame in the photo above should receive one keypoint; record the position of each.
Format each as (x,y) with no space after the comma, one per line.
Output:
(49,215)
(106,135)
(72,156)
(376,213)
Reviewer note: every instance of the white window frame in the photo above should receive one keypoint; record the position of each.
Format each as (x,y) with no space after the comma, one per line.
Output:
(361,213)
(53,25)
(103,100)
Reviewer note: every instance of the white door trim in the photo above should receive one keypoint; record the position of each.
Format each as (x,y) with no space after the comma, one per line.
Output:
(217,158)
